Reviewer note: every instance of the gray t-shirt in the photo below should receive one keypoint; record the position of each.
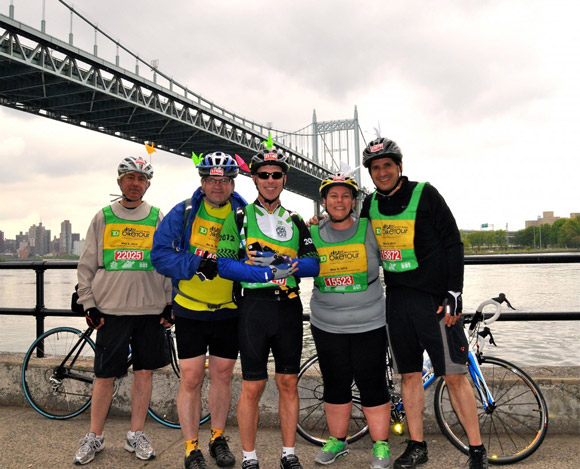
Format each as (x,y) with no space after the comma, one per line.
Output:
(355,312)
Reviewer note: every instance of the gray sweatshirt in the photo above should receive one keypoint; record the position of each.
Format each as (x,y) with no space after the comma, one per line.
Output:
(355,312)
(120,293)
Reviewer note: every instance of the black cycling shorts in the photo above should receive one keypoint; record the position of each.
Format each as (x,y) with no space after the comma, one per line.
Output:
(414,326)
(144,336)
(195,337)
(268,324)
(344,357)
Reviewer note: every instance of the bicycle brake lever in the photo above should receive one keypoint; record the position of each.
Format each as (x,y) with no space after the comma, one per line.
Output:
(509,304)
(487,332)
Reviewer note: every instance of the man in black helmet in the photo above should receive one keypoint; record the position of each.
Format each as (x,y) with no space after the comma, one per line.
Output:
(267,248)
(422,256)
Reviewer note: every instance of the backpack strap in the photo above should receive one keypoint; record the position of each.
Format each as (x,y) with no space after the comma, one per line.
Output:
(186,213)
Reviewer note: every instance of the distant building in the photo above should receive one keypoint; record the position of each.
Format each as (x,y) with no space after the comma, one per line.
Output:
(21,241)
(547,218)
(65,245)
(78,247)
(39,240)
(2,244)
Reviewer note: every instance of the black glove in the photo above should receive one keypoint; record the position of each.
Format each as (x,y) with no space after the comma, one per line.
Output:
(207,269)
(167,314)
(93,317)
(453,303)
(281,271)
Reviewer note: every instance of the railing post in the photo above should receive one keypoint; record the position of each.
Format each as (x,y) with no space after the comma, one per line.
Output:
(39,308)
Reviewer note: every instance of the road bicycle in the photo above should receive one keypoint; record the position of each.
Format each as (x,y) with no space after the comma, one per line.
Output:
(57,377)
(512,412)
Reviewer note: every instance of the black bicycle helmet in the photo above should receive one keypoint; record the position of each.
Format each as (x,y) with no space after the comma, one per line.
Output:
(269,156)
(218,164)
(380,148)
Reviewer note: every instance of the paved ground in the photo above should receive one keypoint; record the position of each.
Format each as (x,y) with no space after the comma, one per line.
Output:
(28,440)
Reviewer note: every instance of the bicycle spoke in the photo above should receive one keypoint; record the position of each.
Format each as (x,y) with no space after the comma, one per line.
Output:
(514,427)
(54,388)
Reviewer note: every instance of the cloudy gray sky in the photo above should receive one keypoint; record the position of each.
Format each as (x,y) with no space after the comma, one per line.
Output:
(482,97)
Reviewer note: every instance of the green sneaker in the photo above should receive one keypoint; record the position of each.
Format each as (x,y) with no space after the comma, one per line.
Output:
(381,459)
(332,450)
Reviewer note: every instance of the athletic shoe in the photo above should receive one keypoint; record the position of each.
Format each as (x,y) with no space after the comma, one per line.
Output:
(381,458)
(414,455)
(220,450)
(477,458)
(140,445)
(250,464)
(90,445)
(195,460)
(290,462)
(332,450)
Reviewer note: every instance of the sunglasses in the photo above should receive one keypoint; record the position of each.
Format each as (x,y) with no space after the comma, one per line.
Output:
(266,175)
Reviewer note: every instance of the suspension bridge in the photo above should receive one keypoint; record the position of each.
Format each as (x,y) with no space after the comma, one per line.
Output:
(126,97)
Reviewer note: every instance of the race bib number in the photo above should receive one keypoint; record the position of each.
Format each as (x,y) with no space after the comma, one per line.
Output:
(202,252)
(282,281)
(128,255)
(339,281)
(391,255)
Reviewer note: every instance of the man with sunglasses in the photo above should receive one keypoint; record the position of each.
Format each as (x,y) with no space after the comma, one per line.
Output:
(206,315)
(267,249)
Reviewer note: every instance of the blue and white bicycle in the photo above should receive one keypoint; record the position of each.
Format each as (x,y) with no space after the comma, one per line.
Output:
(512,412)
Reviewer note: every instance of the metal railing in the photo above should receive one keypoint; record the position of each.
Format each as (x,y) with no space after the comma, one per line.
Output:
(41,312)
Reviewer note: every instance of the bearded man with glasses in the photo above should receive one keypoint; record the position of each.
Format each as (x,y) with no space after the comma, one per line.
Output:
(267,249)
(204,306)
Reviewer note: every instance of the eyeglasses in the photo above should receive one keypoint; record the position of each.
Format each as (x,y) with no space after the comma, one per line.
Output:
(266,175)
(215,182)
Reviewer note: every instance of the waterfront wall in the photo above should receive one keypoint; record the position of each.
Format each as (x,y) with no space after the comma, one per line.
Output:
(560,387)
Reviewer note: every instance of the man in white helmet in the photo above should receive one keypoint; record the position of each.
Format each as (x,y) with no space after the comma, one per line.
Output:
(129,304)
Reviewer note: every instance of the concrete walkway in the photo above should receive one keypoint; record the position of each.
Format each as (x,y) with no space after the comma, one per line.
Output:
(28,440)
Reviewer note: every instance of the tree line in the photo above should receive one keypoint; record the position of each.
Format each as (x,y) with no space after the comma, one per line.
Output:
(562,234)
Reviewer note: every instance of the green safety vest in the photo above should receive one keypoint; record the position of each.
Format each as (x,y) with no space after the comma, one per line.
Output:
(127,243)
(288,248)
(343,265)
(396,234)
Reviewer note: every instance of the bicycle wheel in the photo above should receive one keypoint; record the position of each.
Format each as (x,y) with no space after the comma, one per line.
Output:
(59,385)
(165,384)
(312,425)
(513,428)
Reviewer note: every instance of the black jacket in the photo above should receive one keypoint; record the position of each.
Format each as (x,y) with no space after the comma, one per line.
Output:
(438,243)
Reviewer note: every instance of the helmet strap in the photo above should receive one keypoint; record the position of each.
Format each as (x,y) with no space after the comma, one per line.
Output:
(269,201)
(336,220)
(394,189)
(212,204)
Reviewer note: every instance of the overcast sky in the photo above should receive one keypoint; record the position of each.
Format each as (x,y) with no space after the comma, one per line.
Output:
(482,96)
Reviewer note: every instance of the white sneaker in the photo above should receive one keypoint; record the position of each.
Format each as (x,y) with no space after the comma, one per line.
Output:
(90,445)
(140,445)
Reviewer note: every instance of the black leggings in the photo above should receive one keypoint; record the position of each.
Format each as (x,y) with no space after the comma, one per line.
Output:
(344,357)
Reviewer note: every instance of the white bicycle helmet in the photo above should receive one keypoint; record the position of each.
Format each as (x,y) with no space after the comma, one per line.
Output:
(135,165)
(218,164)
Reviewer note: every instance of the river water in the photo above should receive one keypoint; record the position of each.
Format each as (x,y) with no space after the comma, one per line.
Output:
(530,288)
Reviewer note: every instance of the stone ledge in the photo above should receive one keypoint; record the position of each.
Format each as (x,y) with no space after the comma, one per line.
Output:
(560,387)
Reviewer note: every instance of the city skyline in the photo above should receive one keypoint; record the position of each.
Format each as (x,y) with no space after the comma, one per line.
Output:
(547,217)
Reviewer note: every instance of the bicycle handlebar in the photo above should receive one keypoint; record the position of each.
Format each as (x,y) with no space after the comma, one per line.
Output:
(497,302)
